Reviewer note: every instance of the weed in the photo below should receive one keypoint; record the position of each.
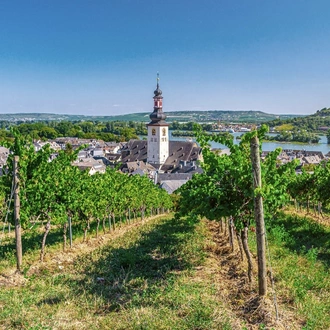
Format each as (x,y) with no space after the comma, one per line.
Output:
(312,255)
(300,255)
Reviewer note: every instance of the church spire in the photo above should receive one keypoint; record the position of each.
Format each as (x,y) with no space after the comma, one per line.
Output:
(157,80)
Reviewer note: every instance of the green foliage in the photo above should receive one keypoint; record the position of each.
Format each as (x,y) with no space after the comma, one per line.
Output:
(107,131)
(311,123)
(226,186)
(300,253)
(328,136)
(284,127)
(52,191)
(295,135)
(312,187)
(189,126)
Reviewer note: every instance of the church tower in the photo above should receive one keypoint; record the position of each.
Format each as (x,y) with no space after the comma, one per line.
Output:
(158,144)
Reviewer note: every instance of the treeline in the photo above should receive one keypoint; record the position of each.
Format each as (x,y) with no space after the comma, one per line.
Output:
(52,192)
(189,126)
(118,131)
(108,131)
(294,135)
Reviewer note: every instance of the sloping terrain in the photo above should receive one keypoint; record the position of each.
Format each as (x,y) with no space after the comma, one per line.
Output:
(163,273)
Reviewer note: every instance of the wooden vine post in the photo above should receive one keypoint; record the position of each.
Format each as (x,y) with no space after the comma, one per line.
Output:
(70,231)
(17,206)
(259,216)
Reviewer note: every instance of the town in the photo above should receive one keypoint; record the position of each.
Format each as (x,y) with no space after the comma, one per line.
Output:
(168,163)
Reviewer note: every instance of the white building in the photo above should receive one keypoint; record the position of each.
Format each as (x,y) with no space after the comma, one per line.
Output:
(158,143)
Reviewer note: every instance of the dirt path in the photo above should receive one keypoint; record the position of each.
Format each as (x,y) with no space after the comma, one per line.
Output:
(241,297)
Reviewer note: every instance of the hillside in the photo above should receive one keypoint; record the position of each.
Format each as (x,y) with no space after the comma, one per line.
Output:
(319,121)
(181,116)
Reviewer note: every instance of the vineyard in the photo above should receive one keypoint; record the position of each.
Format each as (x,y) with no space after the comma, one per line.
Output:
(131,265)
(55,193)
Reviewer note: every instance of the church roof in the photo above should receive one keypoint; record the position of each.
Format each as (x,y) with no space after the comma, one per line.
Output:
(158,116)
(171,186)
(158,91)
(180,153)
(135,150)
(173,177)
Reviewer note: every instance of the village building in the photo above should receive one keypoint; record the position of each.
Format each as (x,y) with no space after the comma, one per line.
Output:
(111,148)
(77,142)
(91,165)
(4,153)
(38,145)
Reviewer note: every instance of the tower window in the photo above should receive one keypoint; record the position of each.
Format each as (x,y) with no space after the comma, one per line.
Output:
(164,131)
(153,131)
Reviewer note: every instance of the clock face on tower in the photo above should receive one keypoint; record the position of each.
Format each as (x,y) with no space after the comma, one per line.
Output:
(153,132)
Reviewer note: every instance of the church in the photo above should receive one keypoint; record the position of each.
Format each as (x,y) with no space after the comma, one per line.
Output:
(158,154)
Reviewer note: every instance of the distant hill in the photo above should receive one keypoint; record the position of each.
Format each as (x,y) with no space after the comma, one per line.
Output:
(239,116)
(227,116)
(317,122)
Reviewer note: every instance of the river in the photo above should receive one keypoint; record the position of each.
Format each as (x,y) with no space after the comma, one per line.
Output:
(269,146)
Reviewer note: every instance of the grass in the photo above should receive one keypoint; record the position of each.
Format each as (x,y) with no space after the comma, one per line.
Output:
(300,256)
(32,238)
(150,278)
(170,274)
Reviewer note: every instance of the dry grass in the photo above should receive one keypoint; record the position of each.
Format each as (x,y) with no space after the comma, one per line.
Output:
(240,296)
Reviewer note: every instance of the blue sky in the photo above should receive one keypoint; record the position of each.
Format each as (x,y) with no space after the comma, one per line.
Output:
(101,57)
